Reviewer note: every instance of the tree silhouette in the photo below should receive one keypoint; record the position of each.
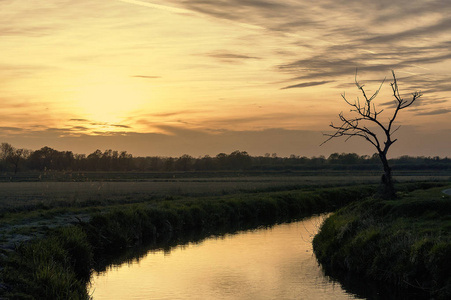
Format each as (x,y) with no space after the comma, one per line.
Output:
(365,114)
(12,155)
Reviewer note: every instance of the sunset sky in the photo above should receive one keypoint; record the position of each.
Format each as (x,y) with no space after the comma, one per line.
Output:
(209,76)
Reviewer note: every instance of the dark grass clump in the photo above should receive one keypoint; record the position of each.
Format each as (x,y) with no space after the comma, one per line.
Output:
(405,242)
(56,267)
(131,225)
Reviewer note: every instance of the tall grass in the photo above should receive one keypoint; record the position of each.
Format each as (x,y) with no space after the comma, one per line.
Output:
(127,225)
(58,266)
(405,242)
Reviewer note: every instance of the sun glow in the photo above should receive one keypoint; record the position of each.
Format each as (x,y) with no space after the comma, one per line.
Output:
(111,101)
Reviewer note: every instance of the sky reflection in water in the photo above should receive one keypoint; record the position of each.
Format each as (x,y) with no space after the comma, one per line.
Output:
(275,263)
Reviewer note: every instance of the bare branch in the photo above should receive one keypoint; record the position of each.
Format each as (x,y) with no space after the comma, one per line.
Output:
(400,102)
(364,115)
(395,130)
(367,113)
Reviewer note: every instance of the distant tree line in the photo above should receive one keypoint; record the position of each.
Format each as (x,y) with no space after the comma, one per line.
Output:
(48,159)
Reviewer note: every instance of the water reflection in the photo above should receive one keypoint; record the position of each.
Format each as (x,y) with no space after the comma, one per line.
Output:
(267,263)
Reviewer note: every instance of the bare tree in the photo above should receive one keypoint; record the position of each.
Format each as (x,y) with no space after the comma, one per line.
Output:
(366,123)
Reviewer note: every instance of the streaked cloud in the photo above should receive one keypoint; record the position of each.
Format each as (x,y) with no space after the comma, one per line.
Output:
(156,6)
(232,56)
(306,84)
(441,27)
(175,113)
(120,126)
(81,128)
(10,129)
(146,76)
(31,31)
(79,120)
(434,112)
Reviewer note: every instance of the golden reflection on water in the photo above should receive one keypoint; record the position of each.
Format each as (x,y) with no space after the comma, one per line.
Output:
(274,263)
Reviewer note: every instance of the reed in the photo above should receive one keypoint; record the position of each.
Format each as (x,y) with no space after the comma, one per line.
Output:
(56,267)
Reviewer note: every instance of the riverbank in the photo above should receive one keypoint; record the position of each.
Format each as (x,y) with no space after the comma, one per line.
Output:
(273,262)
(404,242)
(58,264)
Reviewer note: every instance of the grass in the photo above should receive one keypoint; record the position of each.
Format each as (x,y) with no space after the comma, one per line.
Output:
(57,264)
(48,250)
(57,267)
(139,187)
(126,225)
(405,242)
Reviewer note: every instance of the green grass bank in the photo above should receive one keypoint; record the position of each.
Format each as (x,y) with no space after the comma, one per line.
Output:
(405,242)
(58,265)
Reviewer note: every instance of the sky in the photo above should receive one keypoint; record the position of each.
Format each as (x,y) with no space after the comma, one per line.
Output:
(202,77)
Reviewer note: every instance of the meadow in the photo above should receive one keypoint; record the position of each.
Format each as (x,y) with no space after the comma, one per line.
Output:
(29,207)
(29,191)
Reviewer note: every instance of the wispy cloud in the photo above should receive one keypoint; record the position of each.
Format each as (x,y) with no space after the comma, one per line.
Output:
(344,39)
(90,126)
(61,130)
(169,115)
(146,76)
(157,6)
(319,66)
(79,120)
(119,126)
(30,31)
(441,27)
(434,112)
(226,55)
(306,84)
(5,128)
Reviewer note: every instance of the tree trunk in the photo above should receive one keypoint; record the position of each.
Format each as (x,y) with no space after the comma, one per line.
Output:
(388,189)
(15,161)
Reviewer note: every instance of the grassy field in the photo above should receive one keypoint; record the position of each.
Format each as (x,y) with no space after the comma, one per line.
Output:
(94,189)
(18,195)
(29,208)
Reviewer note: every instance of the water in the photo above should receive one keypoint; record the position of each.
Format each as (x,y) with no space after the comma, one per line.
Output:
(267,263)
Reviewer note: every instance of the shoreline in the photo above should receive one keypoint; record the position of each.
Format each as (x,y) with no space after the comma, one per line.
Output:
(404,242)
(58,266)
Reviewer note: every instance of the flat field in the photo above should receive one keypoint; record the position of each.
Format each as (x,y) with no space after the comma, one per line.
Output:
(30,204)
(99,189)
